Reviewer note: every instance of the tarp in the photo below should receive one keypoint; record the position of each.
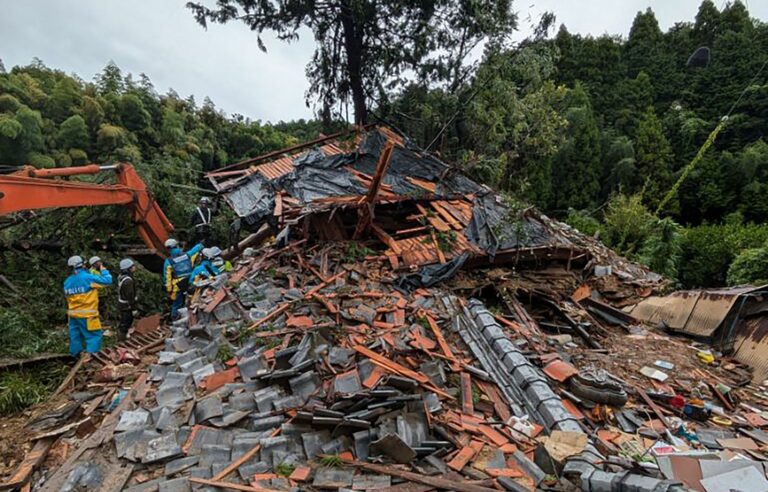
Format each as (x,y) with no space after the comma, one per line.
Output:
(430,275)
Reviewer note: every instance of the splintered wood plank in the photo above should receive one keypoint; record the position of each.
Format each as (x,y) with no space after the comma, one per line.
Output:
(433,220)
(386,239)
(446,215)
(466,394)
(35,456)
(366,212)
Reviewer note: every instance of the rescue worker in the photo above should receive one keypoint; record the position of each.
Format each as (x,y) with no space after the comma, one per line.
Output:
(127,300)
(85,331)
(201,222)
(95,264)
(205,269)
(176,271)
(220,263)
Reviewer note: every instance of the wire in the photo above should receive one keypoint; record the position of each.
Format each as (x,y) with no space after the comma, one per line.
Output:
(707,144)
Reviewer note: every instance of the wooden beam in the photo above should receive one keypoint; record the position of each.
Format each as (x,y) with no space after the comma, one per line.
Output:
(229,486)
(386,239)
(35,456)
(436,482)
(366,211)
(72,373)
(239,462)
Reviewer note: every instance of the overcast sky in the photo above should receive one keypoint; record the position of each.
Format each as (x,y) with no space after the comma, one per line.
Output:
(161,39)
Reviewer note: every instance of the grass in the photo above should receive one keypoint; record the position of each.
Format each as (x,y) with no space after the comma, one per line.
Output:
(24,336)
(284,469)
(225,353)
(23,388)
(331,461)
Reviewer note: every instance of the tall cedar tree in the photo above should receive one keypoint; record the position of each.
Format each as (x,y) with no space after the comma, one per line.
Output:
(365,47)
(654,158)
(576,166)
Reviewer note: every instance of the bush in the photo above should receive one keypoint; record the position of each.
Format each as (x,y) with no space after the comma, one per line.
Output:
(583,222)
(662,248)
(708,250)
(626,223)
(41,161)
(749,267)
(26,387)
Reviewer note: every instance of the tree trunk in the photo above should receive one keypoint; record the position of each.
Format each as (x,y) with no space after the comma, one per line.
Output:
(353,45)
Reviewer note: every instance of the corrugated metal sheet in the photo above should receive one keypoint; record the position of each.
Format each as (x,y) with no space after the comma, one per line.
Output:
(751,346)
(695,312)
(710,312)
(673,310)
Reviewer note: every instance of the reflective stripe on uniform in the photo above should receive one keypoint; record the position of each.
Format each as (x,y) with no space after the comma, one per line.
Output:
(206,222)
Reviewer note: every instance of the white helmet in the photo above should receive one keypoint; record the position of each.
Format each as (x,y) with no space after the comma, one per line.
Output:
(205,199)
(75,261)
(94,260)
(171,243)
(126,263)
(215,251)
(208,253)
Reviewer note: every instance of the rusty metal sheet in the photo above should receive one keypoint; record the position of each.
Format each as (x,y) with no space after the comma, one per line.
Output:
(674,311)
(695,312)
(751,347)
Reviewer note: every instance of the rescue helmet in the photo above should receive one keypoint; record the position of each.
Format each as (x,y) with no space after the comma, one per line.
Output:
(205,200)
(126,263)
(208,253)
(93,260)
(75,261)
(215,251)
(171,243)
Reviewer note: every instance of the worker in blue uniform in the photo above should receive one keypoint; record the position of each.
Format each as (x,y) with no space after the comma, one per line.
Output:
(85,331)
(206,269)
(176,270)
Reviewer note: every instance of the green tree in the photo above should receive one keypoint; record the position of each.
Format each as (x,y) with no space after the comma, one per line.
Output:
(516,117)
(653,157)
(619,170)
(110,138)
(576,165)
(132,113)
(707,25)
(93,114)
(66,96)
(626,223)
(749,267)
(73,133)
(646,51)
(662,249)
(110,80)
(364,48)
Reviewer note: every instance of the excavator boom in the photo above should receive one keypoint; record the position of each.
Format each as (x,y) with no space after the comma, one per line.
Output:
(33,189)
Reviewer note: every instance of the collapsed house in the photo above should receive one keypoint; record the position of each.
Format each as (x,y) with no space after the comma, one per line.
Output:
(408,329)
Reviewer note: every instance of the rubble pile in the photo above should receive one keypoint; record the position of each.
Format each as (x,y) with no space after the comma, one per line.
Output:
(330,359)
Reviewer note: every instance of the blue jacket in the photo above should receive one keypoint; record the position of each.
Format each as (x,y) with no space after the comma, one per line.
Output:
(82,296)
(168,274)
(204,270)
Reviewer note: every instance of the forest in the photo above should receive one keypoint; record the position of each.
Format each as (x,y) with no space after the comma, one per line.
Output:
(595,131)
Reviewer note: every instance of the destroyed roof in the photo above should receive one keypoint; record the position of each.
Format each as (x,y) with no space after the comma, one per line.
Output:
(426,211)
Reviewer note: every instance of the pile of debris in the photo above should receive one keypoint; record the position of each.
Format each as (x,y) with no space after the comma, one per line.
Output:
(354,353)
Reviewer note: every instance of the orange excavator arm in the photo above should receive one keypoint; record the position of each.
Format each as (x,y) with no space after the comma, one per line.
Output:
(32,189)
